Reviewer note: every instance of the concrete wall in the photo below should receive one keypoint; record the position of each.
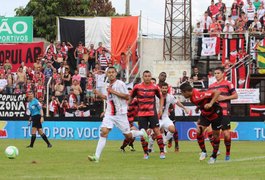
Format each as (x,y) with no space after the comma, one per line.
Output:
(152,60)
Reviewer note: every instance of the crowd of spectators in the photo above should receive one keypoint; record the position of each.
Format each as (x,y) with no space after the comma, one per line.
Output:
(243,16)
(73,79)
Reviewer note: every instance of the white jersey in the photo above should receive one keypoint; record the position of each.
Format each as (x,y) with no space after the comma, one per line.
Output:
(170,99)
(115,104)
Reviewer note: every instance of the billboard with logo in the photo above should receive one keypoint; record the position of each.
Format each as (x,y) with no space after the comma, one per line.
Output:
(73,130)
(16,29)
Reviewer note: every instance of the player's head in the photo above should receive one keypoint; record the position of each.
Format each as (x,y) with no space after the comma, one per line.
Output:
(153,80)
(111,73)
(30,95)
(219,73)
(164,88)
(186,90)
(162,77)
(147,76)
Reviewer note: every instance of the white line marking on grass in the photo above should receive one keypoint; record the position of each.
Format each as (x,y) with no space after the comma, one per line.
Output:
(240,160)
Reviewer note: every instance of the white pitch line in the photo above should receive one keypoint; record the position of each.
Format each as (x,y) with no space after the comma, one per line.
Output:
(240,160)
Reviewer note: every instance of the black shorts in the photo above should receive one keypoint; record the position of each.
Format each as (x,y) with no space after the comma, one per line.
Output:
(226,123)
(36,121)
(146,122)
(216,123)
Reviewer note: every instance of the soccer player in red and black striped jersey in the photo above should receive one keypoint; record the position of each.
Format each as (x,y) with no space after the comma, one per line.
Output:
(148,117)
(228,93)
(211,114)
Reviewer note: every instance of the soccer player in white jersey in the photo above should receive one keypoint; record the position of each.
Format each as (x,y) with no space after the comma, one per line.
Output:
(115,114)
(165,123)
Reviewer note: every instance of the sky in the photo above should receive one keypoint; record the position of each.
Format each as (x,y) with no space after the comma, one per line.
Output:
(153,11)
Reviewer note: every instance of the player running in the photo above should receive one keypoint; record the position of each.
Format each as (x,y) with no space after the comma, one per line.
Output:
(115,114)
(211,114)
(165,122)
(145,93)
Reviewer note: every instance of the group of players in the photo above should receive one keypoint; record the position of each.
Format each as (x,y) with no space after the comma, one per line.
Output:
(213,104)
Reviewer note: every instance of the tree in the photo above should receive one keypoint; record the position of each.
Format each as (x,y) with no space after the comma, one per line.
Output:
(46,11)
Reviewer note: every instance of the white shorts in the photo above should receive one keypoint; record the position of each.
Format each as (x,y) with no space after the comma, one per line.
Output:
(120,121)
(165,122)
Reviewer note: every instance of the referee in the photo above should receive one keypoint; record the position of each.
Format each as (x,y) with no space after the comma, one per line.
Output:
(36,117)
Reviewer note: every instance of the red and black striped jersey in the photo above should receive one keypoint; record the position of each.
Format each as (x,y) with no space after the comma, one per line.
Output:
(227,89)
(132,110)
(146,98)
(200,98)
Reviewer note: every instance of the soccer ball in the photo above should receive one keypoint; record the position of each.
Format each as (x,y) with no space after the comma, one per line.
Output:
(11,152)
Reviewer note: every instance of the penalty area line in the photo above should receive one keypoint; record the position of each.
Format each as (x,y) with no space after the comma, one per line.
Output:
(241,160)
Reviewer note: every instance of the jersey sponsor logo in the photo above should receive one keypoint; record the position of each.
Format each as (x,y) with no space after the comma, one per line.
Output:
(3,132)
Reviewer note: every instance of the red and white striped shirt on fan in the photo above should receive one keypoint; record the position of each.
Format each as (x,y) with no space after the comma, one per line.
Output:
(146,98)
(115,104)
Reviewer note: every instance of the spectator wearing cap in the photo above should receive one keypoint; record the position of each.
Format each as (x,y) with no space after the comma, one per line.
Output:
(7,65)
(79,53)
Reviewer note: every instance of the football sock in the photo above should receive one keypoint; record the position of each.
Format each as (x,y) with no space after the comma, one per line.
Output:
(100,146)
(160,142)
(210,137)
(169,136)
(144,145)
(44,137)
(33,138)
(176,138)
(216,142)
(131,142)
(200,140)
(227,142)
(125,143)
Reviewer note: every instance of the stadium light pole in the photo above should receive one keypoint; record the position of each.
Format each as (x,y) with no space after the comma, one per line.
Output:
(127,8)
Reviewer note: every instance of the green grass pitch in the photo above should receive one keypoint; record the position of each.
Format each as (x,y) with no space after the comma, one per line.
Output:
(68,160)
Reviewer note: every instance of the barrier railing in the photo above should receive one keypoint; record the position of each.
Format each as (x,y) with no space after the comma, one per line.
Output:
(47,96)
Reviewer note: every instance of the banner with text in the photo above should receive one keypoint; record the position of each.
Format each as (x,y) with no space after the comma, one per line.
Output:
(12,105)
(16,29)
(247,96)
(17,53)
(208,46)
(72,130)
